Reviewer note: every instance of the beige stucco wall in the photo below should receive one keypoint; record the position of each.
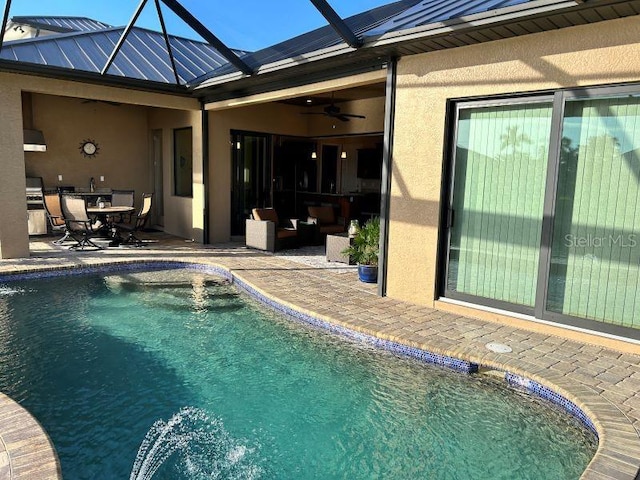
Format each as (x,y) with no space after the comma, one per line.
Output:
(601,53)
(122,133)
(183,216)
(13,214)
(119,130)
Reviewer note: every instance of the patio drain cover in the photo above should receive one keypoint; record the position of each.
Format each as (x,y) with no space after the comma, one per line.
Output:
(499,347)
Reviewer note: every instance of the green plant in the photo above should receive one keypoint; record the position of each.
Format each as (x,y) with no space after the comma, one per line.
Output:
(366,244)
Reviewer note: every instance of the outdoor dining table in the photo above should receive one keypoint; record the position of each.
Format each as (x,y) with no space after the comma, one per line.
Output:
(110,210)
(104,213)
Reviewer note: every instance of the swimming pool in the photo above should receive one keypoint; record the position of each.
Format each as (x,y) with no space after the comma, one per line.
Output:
(98,359)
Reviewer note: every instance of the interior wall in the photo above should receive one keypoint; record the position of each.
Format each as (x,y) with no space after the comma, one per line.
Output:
(273,118)
(601,53)
(347,181)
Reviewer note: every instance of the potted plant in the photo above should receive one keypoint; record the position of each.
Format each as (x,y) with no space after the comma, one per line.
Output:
(364,250)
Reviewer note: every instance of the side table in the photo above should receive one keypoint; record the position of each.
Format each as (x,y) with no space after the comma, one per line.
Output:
(335,245)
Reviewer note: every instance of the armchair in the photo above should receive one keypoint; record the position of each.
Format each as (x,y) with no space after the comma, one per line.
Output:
(325,218)
(265,231)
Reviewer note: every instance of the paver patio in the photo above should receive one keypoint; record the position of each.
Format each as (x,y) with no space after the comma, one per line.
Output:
(602,381)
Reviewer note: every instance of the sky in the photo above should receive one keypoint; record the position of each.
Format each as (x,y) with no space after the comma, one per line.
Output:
(242,24)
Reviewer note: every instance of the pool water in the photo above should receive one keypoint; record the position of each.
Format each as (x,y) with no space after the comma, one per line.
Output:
(99,358)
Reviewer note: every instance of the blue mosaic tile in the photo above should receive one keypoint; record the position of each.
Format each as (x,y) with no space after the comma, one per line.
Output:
(397,348)
(546,393)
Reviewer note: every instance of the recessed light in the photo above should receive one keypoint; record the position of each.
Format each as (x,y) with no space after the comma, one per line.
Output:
(309,100)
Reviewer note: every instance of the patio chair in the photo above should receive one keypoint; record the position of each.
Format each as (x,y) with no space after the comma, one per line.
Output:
(122,198)
(136,224)
(53,209)
(326,220)
(80,227)
(265,231)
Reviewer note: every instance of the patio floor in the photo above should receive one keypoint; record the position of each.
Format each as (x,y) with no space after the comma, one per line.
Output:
(603,382)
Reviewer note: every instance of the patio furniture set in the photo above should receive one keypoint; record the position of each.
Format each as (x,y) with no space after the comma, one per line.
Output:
(83,222)
(265,230)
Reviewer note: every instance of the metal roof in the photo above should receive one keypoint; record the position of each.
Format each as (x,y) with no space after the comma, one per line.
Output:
(62,24)
(404,27)
(432,11)
(143,55)
(416,27)
(319,39)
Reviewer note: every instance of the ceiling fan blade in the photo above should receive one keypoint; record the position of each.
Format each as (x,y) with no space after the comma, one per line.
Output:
(353,115)
(342,117)
(313,113)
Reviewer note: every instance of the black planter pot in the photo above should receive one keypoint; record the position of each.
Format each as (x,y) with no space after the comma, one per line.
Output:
(368,273)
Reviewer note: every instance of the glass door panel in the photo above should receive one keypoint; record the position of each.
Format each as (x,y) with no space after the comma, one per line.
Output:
(595,256)
(251,177)
(497,202)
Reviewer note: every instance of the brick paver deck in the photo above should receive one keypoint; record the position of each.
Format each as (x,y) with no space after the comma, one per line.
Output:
(603,382)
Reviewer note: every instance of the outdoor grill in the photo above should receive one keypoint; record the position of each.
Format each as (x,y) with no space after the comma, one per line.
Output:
(34,192)
(36,216)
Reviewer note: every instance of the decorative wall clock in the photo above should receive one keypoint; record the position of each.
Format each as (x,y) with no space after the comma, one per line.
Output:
(89,148)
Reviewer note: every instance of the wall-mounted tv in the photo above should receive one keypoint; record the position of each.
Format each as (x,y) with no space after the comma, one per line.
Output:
(370,162)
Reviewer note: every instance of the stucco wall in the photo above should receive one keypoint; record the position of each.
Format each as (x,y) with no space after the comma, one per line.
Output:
(14,236)
(183,216)
(601,53)
(119,130)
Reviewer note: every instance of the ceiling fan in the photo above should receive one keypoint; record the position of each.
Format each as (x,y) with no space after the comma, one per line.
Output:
(333,111)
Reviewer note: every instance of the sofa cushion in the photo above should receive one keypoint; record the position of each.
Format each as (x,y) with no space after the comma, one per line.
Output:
(265,214)
(325,215)
(286,233)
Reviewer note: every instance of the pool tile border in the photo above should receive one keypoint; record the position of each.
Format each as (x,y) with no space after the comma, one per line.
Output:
(539,390)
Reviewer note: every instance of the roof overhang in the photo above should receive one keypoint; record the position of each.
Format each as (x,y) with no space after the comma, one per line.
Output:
(330,68)
(60,73)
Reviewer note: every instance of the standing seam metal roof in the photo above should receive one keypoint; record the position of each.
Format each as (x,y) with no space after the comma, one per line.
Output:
(432,11)
(323,37)
(397,28)
(143,55)
(68,24)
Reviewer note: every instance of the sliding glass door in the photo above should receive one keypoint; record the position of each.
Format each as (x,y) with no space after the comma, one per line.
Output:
(250,176)
(595,256)
(497,200)
(543,208)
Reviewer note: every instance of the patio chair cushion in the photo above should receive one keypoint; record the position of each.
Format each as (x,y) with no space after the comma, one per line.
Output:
(286,233)
(324,215)
(268,214)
